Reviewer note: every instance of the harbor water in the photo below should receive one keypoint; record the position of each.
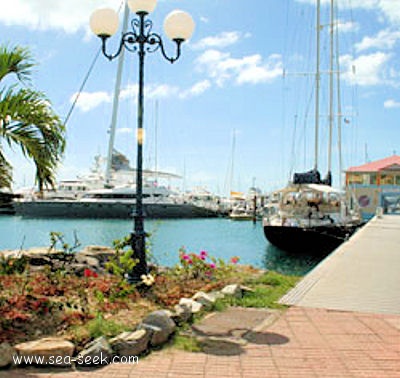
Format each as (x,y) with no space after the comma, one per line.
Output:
(220,237)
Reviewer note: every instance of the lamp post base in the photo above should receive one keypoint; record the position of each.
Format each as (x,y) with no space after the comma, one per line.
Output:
(138,244)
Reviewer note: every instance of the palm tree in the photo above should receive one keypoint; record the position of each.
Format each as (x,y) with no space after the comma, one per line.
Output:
(27,120)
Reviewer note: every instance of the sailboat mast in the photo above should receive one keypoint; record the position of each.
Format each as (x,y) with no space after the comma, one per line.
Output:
(339,105)
(331,88)
(317,83)
(233,160)
(116,102)
(156,141)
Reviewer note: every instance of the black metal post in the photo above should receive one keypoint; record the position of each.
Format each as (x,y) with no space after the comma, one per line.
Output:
(138,237)
(135,41)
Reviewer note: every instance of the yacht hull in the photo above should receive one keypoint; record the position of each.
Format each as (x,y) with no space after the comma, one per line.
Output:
(78,209)
(318,240)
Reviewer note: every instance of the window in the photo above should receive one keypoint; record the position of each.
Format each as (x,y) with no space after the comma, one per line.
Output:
(387,179)
(355,178)
(372,179)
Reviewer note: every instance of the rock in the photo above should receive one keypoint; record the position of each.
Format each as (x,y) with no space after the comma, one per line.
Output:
(37,259)
(96,353)
(194,306)
(151,330)
(41,251)
(7,254)
(182,314)
(54,351)
(247,289)
(77,269)
(131,343)
(215,295)
(160,319)
(88,261)
(233,290)
(102,254)
(6,353)
(206,300)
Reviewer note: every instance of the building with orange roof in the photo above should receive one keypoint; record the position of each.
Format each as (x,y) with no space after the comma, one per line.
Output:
(375,184)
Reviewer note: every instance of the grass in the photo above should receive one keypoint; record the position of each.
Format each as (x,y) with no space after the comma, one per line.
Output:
(102,327)
(186,343)
(267,289)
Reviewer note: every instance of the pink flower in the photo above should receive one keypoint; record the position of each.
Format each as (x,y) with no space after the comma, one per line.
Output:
(203,254)
(212,266)
(190,262)
(185,257)
(234,260)
(202,258)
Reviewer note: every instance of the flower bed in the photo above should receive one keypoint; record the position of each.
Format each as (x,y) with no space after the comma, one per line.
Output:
(81,304)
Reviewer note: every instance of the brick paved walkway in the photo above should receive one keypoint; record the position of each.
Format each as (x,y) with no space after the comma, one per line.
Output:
(303,342)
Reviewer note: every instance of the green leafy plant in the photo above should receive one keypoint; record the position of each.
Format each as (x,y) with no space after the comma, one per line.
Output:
(123,261)
(57,239)
(102,327)
(13,265)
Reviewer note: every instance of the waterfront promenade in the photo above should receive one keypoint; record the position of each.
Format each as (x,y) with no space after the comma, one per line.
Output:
(344,322)
(363,274)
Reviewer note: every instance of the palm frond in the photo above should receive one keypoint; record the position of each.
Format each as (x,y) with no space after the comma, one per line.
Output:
(29,122)
(5,172)
(17,60)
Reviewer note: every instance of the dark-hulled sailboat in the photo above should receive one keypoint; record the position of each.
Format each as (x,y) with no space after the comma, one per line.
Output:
(309,215)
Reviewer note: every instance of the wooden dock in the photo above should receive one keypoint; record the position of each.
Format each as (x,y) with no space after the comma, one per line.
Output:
(363,274)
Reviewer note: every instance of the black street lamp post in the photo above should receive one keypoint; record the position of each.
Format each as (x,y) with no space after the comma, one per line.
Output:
(179,27)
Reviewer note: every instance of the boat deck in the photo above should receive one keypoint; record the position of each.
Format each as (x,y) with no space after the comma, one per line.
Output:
(361,275)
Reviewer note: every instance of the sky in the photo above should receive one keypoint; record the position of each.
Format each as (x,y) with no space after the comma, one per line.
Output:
(237,108)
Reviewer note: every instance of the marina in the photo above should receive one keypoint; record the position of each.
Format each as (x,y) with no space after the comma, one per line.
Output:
(275,256)
(220,237)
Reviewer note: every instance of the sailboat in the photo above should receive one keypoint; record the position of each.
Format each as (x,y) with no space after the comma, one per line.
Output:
(310,216)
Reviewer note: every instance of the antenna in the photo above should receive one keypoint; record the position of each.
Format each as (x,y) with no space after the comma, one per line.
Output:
(366,153)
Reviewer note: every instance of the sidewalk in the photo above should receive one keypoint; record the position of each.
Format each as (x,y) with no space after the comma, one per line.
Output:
(302,342)
(361,275)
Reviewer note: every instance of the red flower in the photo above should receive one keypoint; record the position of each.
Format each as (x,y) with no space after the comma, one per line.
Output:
(89,273)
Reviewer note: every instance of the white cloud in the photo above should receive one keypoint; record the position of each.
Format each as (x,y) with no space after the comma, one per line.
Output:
(221,40)
(389,104)
(88,101)
(347,26)
(366,70)
(161,91)
(151,91)
(390,9)
(250,69)
(385,39)
(124,130)
(258,72)
(196,90)
(68,16)
(364,4)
